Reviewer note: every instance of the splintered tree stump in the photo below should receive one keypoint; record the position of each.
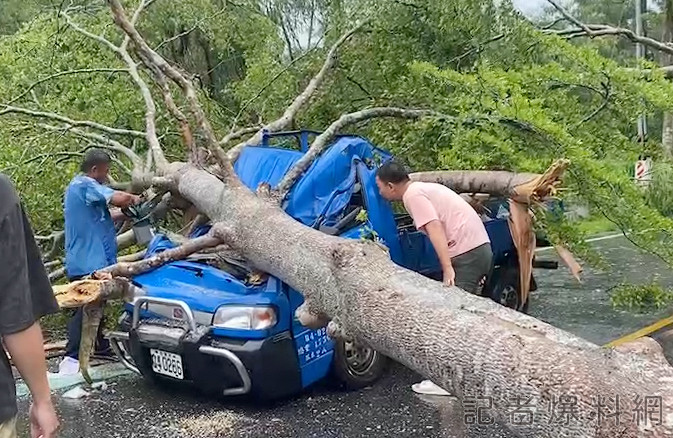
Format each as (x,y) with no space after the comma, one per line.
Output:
(78,293)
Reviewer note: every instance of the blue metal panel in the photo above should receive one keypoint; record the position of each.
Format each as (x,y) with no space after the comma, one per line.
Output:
(316,352)
(314,348)
(379,212)
(420,256)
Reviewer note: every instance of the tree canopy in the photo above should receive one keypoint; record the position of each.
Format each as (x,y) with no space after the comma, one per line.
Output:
(518,97)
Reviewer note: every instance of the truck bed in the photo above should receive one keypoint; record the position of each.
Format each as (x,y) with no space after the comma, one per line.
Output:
(419,255)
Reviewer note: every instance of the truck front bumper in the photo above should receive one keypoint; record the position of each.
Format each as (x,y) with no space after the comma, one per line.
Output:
(263,369)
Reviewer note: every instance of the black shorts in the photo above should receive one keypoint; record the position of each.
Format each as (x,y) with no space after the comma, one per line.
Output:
(472,268)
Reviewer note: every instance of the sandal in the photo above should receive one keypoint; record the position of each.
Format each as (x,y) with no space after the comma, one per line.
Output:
(426,387)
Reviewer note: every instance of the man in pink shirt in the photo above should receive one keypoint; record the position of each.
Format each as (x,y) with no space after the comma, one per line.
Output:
(456,231)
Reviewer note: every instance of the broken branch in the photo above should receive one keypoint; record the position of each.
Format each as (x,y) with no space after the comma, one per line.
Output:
(64,73)
(153,60)
(322,141)
(522,187)
(130,269)
(300,101)
(54,116)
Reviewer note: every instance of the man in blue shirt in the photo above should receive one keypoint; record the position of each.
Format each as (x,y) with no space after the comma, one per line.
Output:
(90,236)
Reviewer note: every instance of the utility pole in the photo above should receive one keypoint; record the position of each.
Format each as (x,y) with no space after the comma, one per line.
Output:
(640,53)
(643,166)
(667,37)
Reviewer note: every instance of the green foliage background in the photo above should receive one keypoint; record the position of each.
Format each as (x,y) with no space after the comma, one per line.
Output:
(519,99)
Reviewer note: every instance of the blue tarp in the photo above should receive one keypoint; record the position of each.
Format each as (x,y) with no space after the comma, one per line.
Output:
(325,188)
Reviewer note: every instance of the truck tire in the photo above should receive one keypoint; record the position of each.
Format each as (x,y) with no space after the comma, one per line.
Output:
(356,367)
(507,290)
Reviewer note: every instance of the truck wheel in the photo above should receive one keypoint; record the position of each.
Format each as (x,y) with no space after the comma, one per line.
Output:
(356,366)
(507,291)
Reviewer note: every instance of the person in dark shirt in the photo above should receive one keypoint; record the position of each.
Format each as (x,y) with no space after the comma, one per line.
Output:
(25,296)
(90,238)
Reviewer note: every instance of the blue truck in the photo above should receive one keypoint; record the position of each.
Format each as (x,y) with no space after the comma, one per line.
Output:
(211,326)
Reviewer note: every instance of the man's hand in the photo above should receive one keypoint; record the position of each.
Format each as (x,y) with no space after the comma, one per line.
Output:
(449,276)
(43,420)
(101,275)
(27,350)
(123,199)
(435,232)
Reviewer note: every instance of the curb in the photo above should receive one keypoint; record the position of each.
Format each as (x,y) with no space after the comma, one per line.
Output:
(57,382)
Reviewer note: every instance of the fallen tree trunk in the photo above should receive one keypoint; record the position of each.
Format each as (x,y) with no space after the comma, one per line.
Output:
(521,187)
(479,348)
(492,182)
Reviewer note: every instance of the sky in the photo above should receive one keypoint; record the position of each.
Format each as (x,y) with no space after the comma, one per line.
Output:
(530,7)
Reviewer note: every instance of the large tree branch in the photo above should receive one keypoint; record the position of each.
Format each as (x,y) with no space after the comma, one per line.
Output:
(101,141)
(130,269)
(54,116)
(65,73)
(491,182)
(150,113)
(594,30)
(153,60)
(176,112)
(300,101)
(323,140)
(522,187)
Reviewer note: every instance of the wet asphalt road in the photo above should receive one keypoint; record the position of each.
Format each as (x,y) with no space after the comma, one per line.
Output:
(131,408)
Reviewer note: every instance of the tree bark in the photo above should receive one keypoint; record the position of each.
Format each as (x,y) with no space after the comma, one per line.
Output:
(667,135)
(494,183)
(521,187)
(438,331)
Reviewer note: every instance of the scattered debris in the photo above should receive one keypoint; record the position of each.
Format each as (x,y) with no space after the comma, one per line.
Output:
(215,425)
(99,386)
(79,392)
(76,393)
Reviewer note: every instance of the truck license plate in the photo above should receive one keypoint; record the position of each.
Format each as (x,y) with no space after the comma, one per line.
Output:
(168,364)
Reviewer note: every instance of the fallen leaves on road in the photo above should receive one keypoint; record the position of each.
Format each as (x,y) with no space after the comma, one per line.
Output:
(213,425)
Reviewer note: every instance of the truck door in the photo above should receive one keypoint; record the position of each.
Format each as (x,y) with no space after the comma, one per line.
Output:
(379,211)
(315,349)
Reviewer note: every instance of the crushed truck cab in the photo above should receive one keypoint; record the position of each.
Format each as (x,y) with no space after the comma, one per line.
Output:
(210,323)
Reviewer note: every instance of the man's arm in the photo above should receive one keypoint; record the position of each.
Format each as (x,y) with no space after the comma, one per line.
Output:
(99,194)
(437,236)
(27,350)
(25,296)
(123,199)
(117,215)
(426,219)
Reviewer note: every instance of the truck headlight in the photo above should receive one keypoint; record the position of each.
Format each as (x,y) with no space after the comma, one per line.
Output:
(245,317)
